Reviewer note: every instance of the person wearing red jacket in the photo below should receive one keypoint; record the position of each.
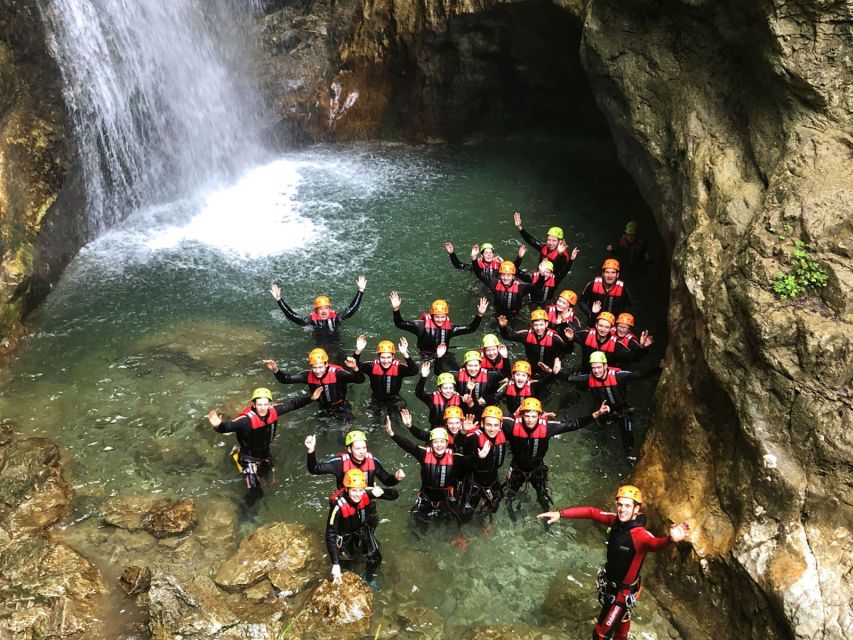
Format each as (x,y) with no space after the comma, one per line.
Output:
(628,542)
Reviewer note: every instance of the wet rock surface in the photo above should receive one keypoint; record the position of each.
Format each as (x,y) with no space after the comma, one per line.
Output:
(340,611)
(158,515)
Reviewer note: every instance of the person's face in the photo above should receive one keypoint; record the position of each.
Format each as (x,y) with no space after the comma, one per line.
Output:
(447,389)
(552,242)
(622,329)
(439,445)
(491,352)
(262,406)
(626,509)
(598,369)
(488,255)
(545,273)
(358,450)
(539,326)
(491,426)
(602,327)
(563,304)
(530,418)
(439,318)
(507,278)
(472,367)
(319,370)
(324,312)
(609,275)
(454,425)
(355,494)
(385,360)
(520,377)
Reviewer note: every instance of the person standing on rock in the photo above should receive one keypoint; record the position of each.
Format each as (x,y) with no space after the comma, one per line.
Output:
(628,542)
(255,429)
(347,528)
(323,319)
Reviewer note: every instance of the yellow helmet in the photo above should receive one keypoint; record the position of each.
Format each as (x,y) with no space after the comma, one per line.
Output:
(317,356)
(262,392)
(491,340)
(538,314)
(569,295)
(453,412)
(473,354)
(557,232)
(598,357)
(493,412)
(487,245)
(606,315)
(355,436)
(355,479)
(507,266)
(631,492)
(522,365)
(322,301)
(547,264)
(610,263)
(531,404)
(439,433)
(386,346)
(440,307)
(631,227)
(445,378)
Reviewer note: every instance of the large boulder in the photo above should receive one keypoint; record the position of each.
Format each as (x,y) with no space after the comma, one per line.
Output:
(158,515)
(336,611)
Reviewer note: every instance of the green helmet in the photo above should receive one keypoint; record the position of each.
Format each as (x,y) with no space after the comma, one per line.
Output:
(597,357)
(439,433)
(631,227)
(491,340)
(354,436)
(487,245)
(473,354)
(445,378)
(262,392)
(557,232)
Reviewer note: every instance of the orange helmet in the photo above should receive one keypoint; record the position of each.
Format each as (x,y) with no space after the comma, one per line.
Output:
(322,301)
(355,479)
(453,412)
(492,412)
(569,295)
(625,318)
(606,315)
(386,346)
(631,492)
(507,266)
(317,356)
(440,307)
(610,263)
(522,365)
(538,314)
(531,404)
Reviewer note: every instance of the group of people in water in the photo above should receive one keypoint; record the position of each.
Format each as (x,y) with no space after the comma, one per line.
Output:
(482,410)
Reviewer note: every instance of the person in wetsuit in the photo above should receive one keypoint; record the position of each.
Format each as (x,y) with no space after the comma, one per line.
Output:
(636,346)
(323,319)
(561,314)
(483,255)
(630,249)
(255,429)
(508,291)
(597,338)
(521,385)
(541,343)
(495,355)
(386,374)
(482,489)
(609,385)
(554,248)
(347,528)
(434,328)
(331,378)
(528,434)
(476,385)
(453,423)
(439,400)
(606,292)
(628,542)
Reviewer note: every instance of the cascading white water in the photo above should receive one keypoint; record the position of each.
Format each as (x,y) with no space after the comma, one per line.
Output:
(161,96)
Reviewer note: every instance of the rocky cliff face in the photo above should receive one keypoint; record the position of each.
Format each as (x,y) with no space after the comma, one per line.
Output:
(39,232)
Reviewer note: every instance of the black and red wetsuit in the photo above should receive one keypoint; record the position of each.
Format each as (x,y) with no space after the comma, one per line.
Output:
(630,252)
(348,530)
(613,298)
(386,382)
(334,383)
(562,261)
(590,341)
(529,447)
(430,334)
(437,403)
(481,264)
(498,364)
(627,546)
(255,435)
(482,485)
(339,464)
(545,348)
(558,324)
(485,383)
(633,352)
(507,299)
(327,329)
(513,395)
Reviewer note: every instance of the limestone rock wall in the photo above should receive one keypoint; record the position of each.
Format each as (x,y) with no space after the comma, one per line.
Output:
(735,119)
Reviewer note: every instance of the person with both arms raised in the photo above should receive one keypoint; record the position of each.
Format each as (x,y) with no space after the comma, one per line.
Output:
(484,256)
(439,400)
(386,374)
(476,385)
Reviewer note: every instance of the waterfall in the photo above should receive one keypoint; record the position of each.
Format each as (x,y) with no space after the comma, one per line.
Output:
(161,96)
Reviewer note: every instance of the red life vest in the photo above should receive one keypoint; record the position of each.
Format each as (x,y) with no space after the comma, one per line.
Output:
(554,315)
(257,421)
(539,433)
(512,289)
(614,292)
(485,363)
(482,438)
(513,391)
(609,379)
(609,345)
(329,378)
(480,381)
(549,254)
(346,509)
(348,463)
(549,282)
(438,471)
(547,339)
(626,341)
(487,266)
(430,324)
(390,371)
(440,402)
(315,317)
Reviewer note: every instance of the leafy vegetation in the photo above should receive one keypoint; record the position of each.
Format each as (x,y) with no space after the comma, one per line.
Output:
(804,274)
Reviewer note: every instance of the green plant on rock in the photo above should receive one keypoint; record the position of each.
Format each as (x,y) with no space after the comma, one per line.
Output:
(805,275)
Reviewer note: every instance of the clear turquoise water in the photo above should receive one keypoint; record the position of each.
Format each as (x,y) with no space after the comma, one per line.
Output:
(169,316)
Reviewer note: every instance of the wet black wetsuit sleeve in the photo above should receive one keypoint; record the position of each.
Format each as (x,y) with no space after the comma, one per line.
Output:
(627,304)
(382,475)
(507,425)
(577,378)
(350,376)
(409,447)
(292,404)
(333,467)
(454,259)
(291,378)
(462,329)
(407,325)
(332,525)
(291,315)
(420,392)
(513,336)
(639,374)
(529,239)
(563,269)
(387,494)
(238,424)
(409,368)
(353,306)
(585,301)
(573,424)
(364,367)
(420,434)
(488,280)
